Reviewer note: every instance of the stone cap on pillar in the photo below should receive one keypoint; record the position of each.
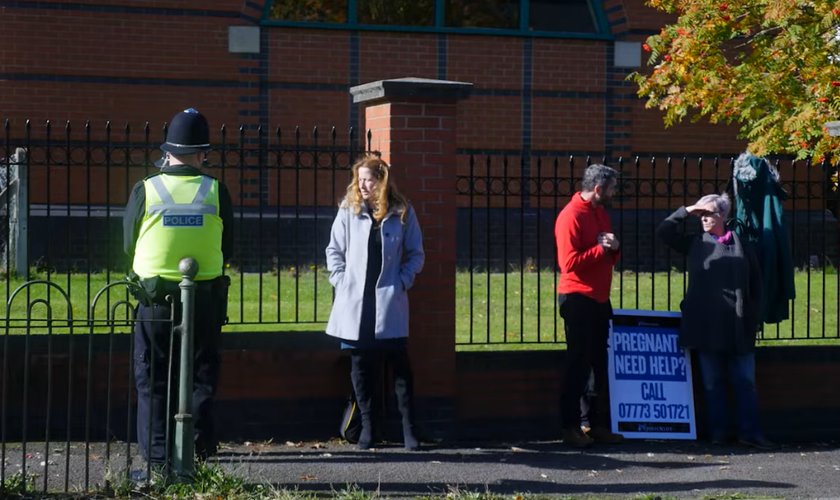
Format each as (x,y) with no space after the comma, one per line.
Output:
(414,88)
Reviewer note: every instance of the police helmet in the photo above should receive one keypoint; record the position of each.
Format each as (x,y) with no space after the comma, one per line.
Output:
(188,133)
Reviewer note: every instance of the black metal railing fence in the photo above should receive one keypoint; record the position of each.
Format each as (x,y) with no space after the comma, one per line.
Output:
(507,252)
(68,418)
(285,187)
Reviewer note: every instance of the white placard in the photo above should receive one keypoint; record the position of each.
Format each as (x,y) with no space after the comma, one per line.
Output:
(651,393)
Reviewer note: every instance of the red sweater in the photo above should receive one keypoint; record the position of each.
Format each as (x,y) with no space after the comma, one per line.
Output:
(585,266)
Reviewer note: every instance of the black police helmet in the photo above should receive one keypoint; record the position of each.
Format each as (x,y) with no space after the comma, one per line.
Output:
(188,133)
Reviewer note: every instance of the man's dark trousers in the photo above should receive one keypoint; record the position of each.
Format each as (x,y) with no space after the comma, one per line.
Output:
(152,335)
(587,324)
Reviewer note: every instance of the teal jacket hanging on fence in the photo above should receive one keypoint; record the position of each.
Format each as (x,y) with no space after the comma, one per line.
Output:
(761,220)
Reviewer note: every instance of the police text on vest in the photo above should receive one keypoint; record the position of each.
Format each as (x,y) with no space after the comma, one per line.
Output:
(183,220)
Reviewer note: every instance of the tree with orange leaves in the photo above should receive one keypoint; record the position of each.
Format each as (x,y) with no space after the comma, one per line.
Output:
(771,66)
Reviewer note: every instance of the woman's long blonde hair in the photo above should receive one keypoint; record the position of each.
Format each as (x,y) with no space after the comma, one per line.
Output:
(385,196)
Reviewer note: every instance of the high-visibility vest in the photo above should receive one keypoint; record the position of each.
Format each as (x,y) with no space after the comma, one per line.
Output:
(182,220)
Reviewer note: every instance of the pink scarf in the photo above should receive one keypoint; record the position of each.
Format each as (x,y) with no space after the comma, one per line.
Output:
(726,239)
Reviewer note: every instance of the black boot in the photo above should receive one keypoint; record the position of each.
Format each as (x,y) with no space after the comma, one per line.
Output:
(364,376)
(404,389)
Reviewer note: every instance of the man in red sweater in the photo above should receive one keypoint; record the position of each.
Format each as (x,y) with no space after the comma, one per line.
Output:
(586,251)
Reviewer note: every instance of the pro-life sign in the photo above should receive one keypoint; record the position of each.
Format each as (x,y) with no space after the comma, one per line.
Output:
(651,394)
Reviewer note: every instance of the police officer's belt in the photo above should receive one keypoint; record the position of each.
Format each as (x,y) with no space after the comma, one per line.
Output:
(158,288)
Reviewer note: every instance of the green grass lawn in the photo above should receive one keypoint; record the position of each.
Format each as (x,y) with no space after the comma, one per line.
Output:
(272,302)
(524,317)
(529,317)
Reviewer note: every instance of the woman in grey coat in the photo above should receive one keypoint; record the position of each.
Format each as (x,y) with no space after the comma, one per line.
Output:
(375,251)
(721,313)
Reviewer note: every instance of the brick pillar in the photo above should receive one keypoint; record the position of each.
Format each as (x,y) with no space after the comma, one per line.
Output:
(413,122)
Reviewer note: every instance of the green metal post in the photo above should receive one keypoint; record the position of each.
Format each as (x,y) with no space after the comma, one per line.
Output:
(183,460)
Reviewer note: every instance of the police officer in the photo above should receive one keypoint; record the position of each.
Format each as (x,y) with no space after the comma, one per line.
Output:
(176,213)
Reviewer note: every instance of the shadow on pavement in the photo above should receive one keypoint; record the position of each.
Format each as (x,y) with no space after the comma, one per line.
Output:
(534,487)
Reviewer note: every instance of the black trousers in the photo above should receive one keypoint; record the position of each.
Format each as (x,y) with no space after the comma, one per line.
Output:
(152,337)
(368,375)
(587,332)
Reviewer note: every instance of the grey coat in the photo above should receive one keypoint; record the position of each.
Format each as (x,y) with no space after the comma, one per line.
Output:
(721,311)
(347,257)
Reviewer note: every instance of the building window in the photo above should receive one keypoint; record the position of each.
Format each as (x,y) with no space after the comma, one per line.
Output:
(499,14)
(506,17)
(397,12)
(314,11)
(561,15)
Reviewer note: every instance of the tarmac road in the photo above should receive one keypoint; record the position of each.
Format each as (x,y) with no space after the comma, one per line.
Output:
(669,469)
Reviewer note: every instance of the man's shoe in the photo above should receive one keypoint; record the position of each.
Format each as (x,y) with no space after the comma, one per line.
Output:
(576,438)
(604,435)
(759,443)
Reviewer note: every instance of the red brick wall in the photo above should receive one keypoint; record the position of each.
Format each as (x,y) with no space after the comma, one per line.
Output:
(272,386)
(122,49)
(106,57)
(686,137)
(516,390)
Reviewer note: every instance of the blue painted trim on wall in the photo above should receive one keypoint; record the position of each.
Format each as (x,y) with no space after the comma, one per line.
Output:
(354,80)
(116,80)
(642,32)
(527,114)
(612,141)
(442,55)
(265,65)
(498,92)
(315,87)
(569,94)
(250,19)
(562,94)
(120,9)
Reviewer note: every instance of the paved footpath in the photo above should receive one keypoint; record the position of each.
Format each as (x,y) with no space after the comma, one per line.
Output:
(668,469)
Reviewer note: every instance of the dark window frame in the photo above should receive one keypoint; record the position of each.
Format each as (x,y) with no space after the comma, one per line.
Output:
(599,20)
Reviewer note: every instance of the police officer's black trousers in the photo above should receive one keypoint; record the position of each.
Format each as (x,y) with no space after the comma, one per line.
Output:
(152,337)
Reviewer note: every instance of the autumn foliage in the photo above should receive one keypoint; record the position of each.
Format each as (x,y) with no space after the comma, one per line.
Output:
(770,66)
